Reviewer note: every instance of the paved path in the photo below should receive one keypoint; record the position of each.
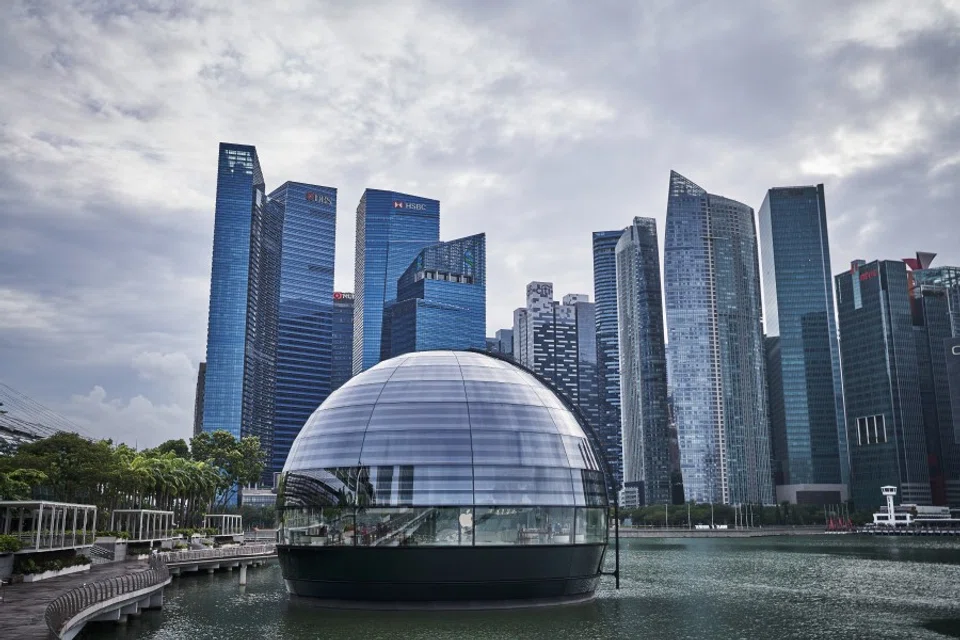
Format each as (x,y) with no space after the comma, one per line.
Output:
(23,606)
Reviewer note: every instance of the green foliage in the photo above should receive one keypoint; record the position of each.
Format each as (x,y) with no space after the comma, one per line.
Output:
(170,477)
(35,564)
(121,535)
(10,544)
(177,447)
(19,484)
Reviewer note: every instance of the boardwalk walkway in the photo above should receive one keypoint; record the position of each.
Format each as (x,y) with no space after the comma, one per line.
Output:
(24,604)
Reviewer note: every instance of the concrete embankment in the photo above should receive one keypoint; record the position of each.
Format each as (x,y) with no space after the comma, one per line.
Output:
(755,532)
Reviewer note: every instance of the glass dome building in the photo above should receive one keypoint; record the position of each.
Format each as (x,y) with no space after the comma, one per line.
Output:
(443,476)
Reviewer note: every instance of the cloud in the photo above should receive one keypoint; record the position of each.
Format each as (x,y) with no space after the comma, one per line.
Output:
(536,122)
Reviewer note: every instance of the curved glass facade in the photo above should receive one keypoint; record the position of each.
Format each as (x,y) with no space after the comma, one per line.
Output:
(442,448)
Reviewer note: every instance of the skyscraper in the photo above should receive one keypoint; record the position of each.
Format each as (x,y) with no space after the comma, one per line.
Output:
(501,343)
(304,348)
(198,399)
(392,228)
(803,367)
(715,352)
(441,300)
(643,367)
(881,384)
(608,355)
(935,296)
(558,341)
(240,378)
(342,368)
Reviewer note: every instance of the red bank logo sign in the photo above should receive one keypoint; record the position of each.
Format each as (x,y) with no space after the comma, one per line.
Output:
(409,206)
(339,295)
(321,198)
(866,275)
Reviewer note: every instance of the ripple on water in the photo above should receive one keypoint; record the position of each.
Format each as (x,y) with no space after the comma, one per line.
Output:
(780,588)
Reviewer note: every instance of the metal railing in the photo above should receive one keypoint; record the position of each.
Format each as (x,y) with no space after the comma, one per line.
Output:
(67,606)
(201,555)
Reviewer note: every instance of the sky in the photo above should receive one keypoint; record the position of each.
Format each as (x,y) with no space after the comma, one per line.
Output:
(536,122)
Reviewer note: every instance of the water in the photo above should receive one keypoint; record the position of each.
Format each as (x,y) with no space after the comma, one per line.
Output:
(809,587)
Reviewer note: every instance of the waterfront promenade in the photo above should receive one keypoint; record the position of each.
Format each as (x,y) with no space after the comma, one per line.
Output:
(745,532)
(24,604)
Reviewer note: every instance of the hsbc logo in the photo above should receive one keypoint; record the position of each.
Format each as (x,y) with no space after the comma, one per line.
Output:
(319,198)
(409,206)
(955,349)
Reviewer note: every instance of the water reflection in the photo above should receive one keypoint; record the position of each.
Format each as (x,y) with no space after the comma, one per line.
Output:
(819,587)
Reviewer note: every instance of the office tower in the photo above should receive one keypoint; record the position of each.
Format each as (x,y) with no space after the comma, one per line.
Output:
(715,353)
(198,401)
(935,296)
(608,354)
(881,387)
(392,228)
(305,320)
(643,367)
(342,369)
(558,341)
(440,300)
(240,380)
(501,343)
(808,431)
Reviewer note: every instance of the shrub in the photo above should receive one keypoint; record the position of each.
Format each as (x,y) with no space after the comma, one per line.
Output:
(10,544)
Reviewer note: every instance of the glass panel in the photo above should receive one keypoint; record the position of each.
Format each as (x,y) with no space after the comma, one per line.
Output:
(423,391)
(566,423)
(433,415)
(408,485)
(514,416)
(496,446)
(417,446)
(449,372)
(362,394)
(480,391)
(317,527)
(579,453)
(476,359)
(415,526)
(596,525)
(524,525)
(491,374)
(549,398)
(522,486)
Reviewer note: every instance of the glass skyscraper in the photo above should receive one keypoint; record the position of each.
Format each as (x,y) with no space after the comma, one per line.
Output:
(715,351)
(803,367)
(441,300)
(342,339)
(240,377)
(608,355)
(557,340)
(392,228)
(643,367)
(881,384)
(304,348)
(936,319)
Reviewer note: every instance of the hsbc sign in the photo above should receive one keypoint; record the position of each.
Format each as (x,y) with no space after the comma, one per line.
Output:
(409,206)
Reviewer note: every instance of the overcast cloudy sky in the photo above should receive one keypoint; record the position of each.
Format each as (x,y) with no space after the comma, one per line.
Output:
(536,122)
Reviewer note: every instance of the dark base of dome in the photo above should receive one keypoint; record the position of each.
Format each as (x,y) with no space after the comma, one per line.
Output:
(443,577)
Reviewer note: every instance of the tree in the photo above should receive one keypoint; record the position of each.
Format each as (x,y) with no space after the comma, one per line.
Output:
(176,447)
(19,483)
(237,462)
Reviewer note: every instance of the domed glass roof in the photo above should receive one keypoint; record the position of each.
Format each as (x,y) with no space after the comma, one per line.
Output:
(446,428)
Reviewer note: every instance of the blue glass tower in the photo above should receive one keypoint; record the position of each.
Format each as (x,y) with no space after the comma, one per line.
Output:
(643,364)
(715,351)
(881,384)
(392,228)
(240,377)
(304,348)
(608,356)
(441,300)
(803,368)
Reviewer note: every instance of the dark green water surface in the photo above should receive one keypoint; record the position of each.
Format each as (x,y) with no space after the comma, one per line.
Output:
(812,587)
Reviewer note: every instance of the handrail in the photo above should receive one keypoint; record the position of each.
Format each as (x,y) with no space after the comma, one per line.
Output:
(72,603)
(213,554)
